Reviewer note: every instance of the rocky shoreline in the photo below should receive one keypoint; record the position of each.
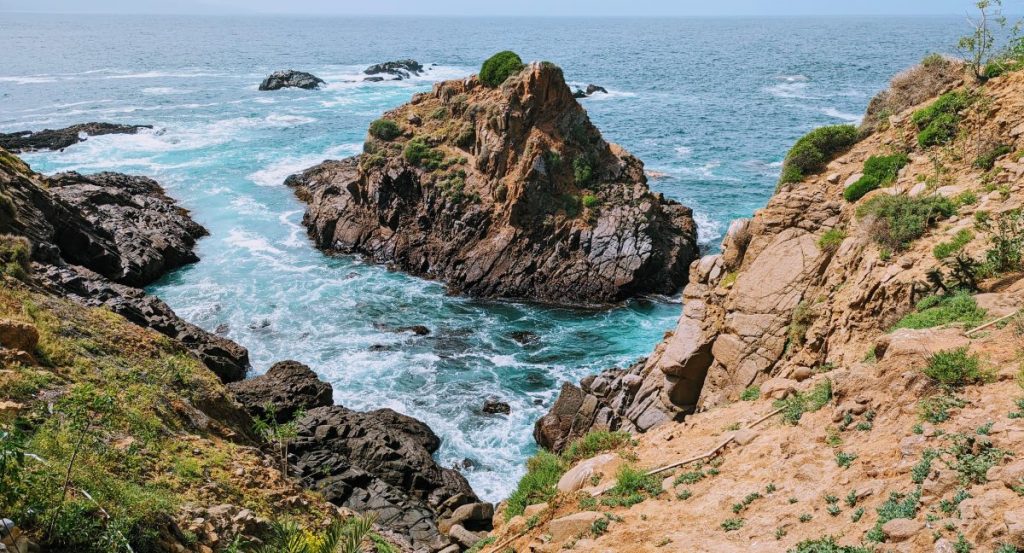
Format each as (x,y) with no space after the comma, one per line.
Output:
(505,192)
(50,139)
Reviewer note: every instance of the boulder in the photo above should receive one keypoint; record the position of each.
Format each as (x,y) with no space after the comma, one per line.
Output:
(472,516)
(593,88)
(289,386)
(502,225)
(403,69)
(579,476)
(58,139)
(901,529)
(535,509)
(572,526)
(495,407)
(17,335)
(778,388)
(291,79)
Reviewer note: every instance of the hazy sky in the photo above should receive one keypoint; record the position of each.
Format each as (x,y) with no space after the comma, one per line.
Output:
(514,7)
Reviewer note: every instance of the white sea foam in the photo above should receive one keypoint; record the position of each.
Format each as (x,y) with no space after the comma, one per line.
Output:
(29,79)
(251,242)
(275,173)
(684,151)
(709,231)
(790,86)
(164,90)
(848,117)
(167,75)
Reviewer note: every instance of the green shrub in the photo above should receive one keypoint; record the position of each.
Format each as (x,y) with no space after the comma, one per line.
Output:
(538,484)
(385,129)
(948,249)
(987,160)
(794,406)
(897,506)
(826,545)
(15,253)
(879,171)
(831,240)
(942,310)
(751,393)
(935,409)
(954,367)
(967,197)
(972,456)
(418,152)
(1006,236)
(844,460)
(938,122)
(812,153)
(595,442)
(899,220)
(632,486)
(7,207)
(590,201)
(732,524)
(582,170)
(499,67)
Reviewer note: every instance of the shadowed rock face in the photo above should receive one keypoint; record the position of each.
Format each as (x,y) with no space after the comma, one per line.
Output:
(58,139)
(289,386)
(291,79)
(506,192)
(95,238)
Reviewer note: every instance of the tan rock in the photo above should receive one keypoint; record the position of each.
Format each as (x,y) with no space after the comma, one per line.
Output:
(463,536)
(579,476)
(535,509)
(745,436)
(918,345)
(18,335)
(901,529)
(801,373)
(1014,521)
(778,388)
(1011,475)
(571,526)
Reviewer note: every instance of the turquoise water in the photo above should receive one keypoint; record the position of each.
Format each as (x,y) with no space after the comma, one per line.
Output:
(712,104)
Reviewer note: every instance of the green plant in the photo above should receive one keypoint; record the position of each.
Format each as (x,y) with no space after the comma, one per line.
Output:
(932,311)
(770,488)
(15,252)
(806,517)
(689,477)
(938,122)
(967,197)
(780,533)
(972,456)
(418,152)
(684,494)
(947,249)
(935,409)
(794,406)
(499,67)
(834,510)
(962,545)
(923,467)
(898,505)
(7,207)
(857,514)
(826,545)
(954,367)
(538,484)
(752,393)
(590,201)
(582,170)
(732,524)
(987,160)
(278,433)
(595,442)
(1019,413)
(599,527)
(831,240)
(480,545)
(385,129)
(339,537)
(632,486)
(1006,236)
(800,321)
(979,45)
(899,220)
(814,150)
(949,506)
(844,460)
(879,171)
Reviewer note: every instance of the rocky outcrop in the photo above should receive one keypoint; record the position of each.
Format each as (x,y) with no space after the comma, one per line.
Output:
(590,91)
(400,69)
(94,238)
(289,386)
(58,139)
(291,79)
(502,192)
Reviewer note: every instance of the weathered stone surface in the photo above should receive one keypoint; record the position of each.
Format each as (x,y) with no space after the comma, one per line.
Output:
(58,139)
(571,526)
(289,386)
(501,218)
(901,529)
(578,476)
(291,79)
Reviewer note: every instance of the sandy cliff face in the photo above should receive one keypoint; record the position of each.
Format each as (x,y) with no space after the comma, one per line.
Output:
(808,291)
(502,192)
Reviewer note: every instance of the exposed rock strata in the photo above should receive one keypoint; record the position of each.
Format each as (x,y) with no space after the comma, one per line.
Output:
(96,237)
(58,139)
(291,79)
(505,192)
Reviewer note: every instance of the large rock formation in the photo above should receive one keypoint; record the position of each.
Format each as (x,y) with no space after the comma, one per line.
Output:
(291,79)
(379,462)
(776,302)
(400,69)
(58,139)
(502,192)
(95,238)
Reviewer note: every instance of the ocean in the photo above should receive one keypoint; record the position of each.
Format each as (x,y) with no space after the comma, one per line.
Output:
(710,105)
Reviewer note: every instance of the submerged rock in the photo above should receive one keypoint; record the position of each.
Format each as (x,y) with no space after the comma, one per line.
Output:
(495,407)
(291,79)
(502,192)
(58,139)
(403,69)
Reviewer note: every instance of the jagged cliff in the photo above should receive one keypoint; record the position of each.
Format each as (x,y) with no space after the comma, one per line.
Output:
(502,192)
(850,292)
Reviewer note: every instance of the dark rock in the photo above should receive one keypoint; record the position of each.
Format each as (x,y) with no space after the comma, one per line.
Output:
(291,79)
(418,330)
(222,329)
(494,407)
(592,88)
(524,337)
(58,139)
(373,79)
(380,462)
(400,68)
(510,227)
(289,386)
(579,94)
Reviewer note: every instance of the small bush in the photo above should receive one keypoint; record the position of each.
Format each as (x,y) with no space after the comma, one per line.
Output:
(831,240)
(595,442)
(987,160)
(948,249)
(732,524)
(812,153)
(967,197)
(590,201)
(1006,238)
(632,486)
(7,207)
(897,506)
(751,393)
(499,67)
(538,484)
(826,545)
(879,171)
(942,310)
(954,367)
(799,403)
(972,456)
(899,220)
(418,152)
(803,316)
(844,460)
(15,253)
(935,409)
(582,170)
(938,122)
(385,129)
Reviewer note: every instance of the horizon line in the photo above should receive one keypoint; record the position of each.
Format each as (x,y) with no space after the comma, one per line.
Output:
(488,16)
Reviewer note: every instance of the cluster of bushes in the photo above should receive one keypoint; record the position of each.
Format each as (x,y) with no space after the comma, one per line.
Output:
(812,153)
(941,310)
(385,129)
(499,67)
(15,252)
(418,152)
(938,123)
(879,171)
(987,160)
(952,247)
(582,170)
(899,220)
